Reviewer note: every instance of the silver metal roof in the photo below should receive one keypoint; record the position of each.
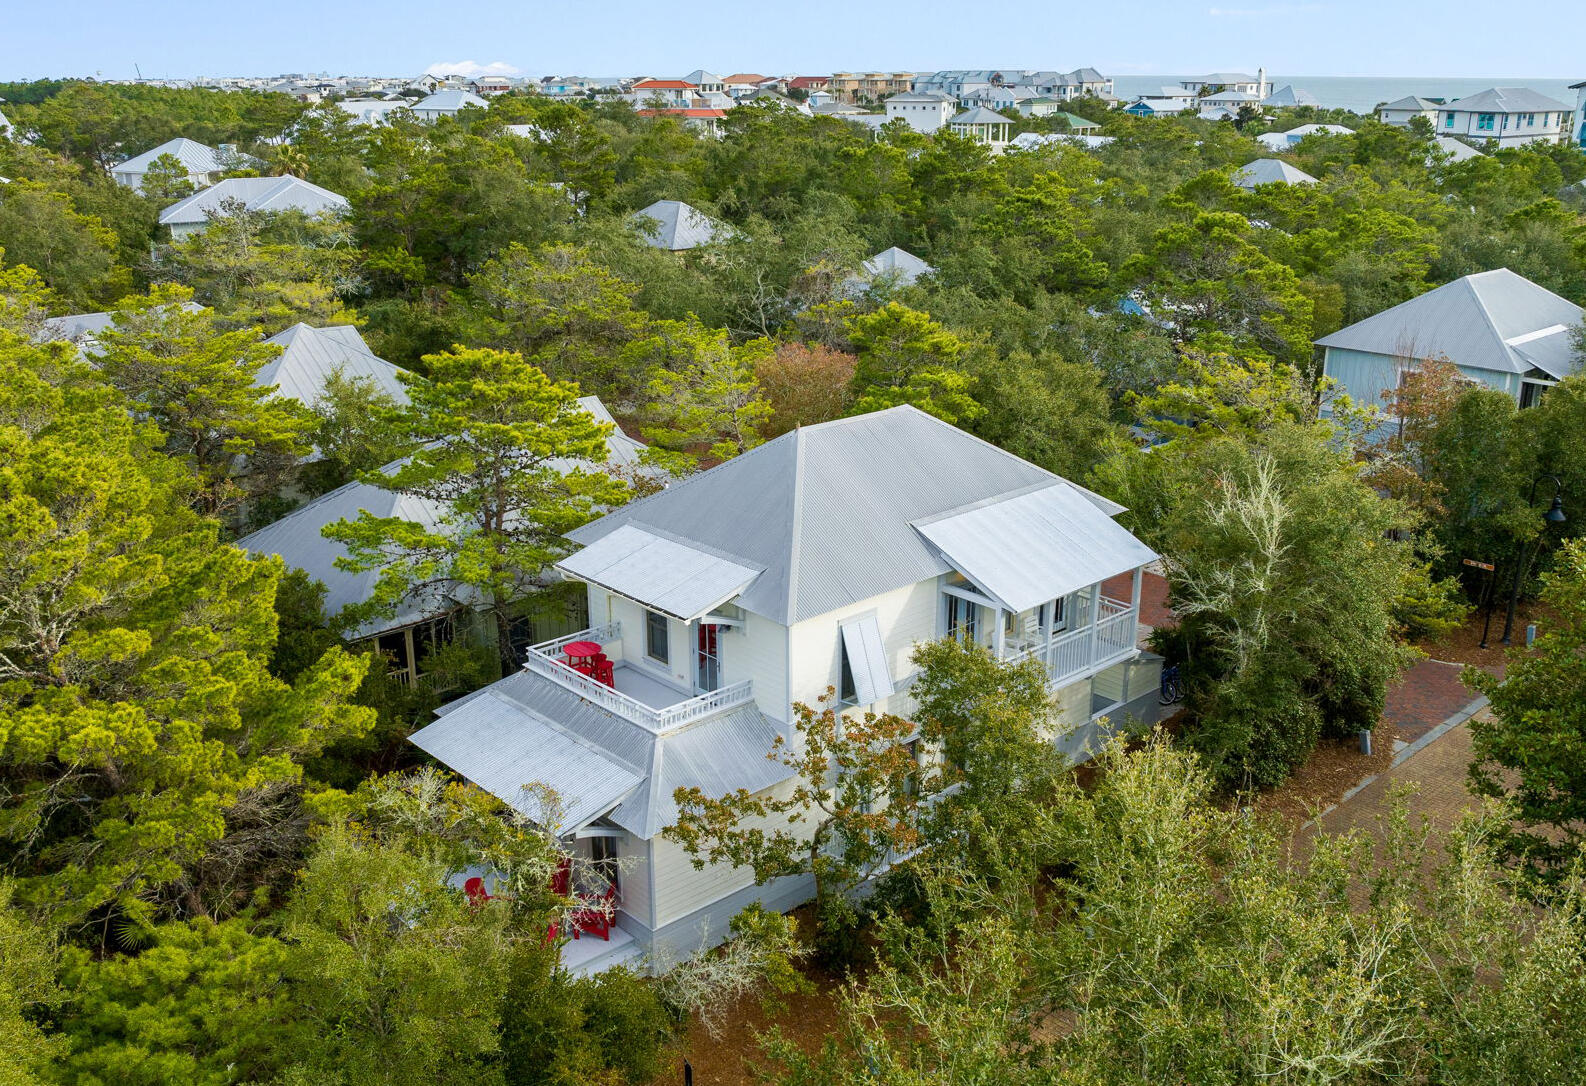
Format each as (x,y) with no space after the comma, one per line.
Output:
(1270,171)
(718,754)
(298,537)
(677,226)
(901,264)
(1035,546)
(827,510)
(501,747)
(1481,321)
(663,574)
(449,101)
(980,115)
(1456,150)
(199,158)
(1506,100)
(310,355)
(286,193)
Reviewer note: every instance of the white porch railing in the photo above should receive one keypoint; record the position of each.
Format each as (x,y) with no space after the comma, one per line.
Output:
(1090,647)
(546,659)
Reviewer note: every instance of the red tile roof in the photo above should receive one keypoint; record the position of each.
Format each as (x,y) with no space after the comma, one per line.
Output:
(809,82)
(746,77)
(664,84)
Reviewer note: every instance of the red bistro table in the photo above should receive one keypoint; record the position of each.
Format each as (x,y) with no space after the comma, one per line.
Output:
(582,655)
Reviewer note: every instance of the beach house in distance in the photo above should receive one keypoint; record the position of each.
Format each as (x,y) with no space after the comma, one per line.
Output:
(817,560)
(1497,327)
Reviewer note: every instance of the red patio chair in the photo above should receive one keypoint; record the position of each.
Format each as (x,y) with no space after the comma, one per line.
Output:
(475,889)
(596,918)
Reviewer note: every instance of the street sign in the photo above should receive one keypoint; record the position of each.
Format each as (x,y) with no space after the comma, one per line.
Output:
(1488,566)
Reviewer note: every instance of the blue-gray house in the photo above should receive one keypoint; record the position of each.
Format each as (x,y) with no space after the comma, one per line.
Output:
(1497,327)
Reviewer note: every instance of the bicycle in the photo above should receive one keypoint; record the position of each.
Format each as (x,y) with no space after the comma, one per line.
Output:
(1172,686)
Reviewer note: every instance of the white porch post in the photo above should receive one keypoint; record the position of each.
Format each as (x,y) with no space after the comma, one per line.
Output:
(1095,620)
(997,632)
(1134,599)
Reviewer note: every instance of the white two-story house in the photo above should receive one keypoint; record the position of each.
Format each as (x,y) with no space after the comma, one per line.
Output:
(1509,116)
(816,561)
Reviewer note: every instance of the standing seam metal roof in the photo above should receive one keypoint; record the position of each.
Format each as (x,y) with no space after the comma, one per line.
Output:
(310,355)
(1471,321)
(827,509)
(284,193)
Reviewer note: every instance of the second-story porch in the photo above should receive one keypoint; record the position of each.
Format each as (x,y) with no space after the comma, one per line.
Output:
(631,691)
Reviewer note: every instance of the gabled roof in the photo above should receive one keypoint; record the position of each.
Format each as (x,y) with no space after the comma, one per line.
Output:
(1506,100)
(1456,150)
(298,539)
(677,226)
(199,158)
(1411,102)
(1493,320)
(310,355)
(980,115)
(900,264)
(286,193)
(526,729)
(828,511)
(1290,96)
(450,101)
(1270,171)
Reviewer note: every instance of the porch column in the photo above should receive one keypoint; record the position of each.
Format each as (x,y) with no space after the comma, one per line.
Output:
(1134,599)
(997,632)
(1095,620)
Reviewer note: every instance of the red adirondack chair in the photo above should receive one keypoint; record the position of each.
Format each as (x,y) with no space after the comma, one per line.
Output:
(595,917)
(475,889)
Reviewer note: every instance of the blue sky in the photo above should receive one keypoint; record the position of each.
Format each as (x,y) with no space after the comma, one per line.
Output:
(183,38)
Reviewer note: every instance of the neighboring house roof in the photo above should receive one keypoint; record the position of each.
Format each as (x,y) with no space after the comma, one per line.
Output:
(1270,171)
(449,101)
(286,193)
(197,157)
(920,97)
(1506,100)
(1282,141)
(828,512)
(1411,102)
(81,328)
(677,226)
(1289,96)
(1456,150)
(1493,320)
(310,355)
(527,729)
(5,125)
(746,78)
(1228,98)
(664,84)
(900,265)
(297,536)
(980,115)
(699,77)
(1224,78)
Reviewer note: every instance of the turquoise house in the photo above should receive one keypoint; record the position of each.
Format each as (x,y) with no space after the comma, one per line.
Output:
(1497,327)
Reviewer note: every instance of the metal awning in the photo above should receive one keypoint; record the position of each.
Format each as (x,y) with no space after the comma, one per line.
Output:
(867,659)
(660,573)
(1035,546)
(500,746)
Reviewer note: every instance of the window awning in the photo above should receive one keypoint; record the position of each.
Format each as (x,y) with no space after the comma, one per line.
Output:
(662,574)
(501,747)
(867,659)
(1035,546)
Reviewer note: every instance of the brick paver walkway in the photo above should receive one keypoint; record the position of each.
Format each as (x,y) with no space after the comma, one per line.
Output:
(1425,695)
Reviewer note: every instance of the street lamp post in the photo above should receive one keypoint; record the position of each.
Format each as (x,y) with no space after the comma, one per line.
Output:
(1554,515)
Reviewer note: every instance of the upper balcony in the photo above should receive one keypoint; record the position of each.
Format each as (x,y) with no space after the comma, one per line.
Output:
(634,694)
(1112,635)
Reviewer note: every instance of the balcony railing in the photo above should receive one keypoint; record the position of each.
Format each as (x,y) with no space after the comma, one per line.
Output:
(1090,647)
(546,659)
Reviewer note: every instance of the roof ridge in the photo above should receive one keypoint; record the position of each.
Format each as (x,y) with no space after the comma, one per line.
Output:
(1486,314)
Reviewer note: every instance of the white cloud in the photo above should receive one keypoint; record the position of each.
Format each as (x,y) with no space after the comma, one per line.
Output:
(472,69)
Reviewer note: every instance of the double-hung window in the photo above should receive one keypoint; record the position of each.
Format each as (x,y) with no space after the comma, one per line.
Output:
(655,638)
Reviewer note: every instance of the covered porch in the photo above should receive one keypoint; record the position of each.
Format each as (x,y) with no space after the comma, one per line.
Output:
(1030,575)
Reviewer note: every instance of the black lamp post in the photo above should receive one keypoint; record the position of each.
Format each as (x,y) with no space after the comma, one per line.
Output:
(1554,515)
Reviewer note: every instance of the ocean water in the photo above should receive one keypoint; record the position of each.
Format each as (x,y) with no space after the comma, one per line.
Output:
(1362,94)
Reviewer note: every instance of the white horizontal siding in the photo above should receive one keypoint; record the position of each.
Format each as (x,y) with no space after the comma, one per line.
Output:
(906,616)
